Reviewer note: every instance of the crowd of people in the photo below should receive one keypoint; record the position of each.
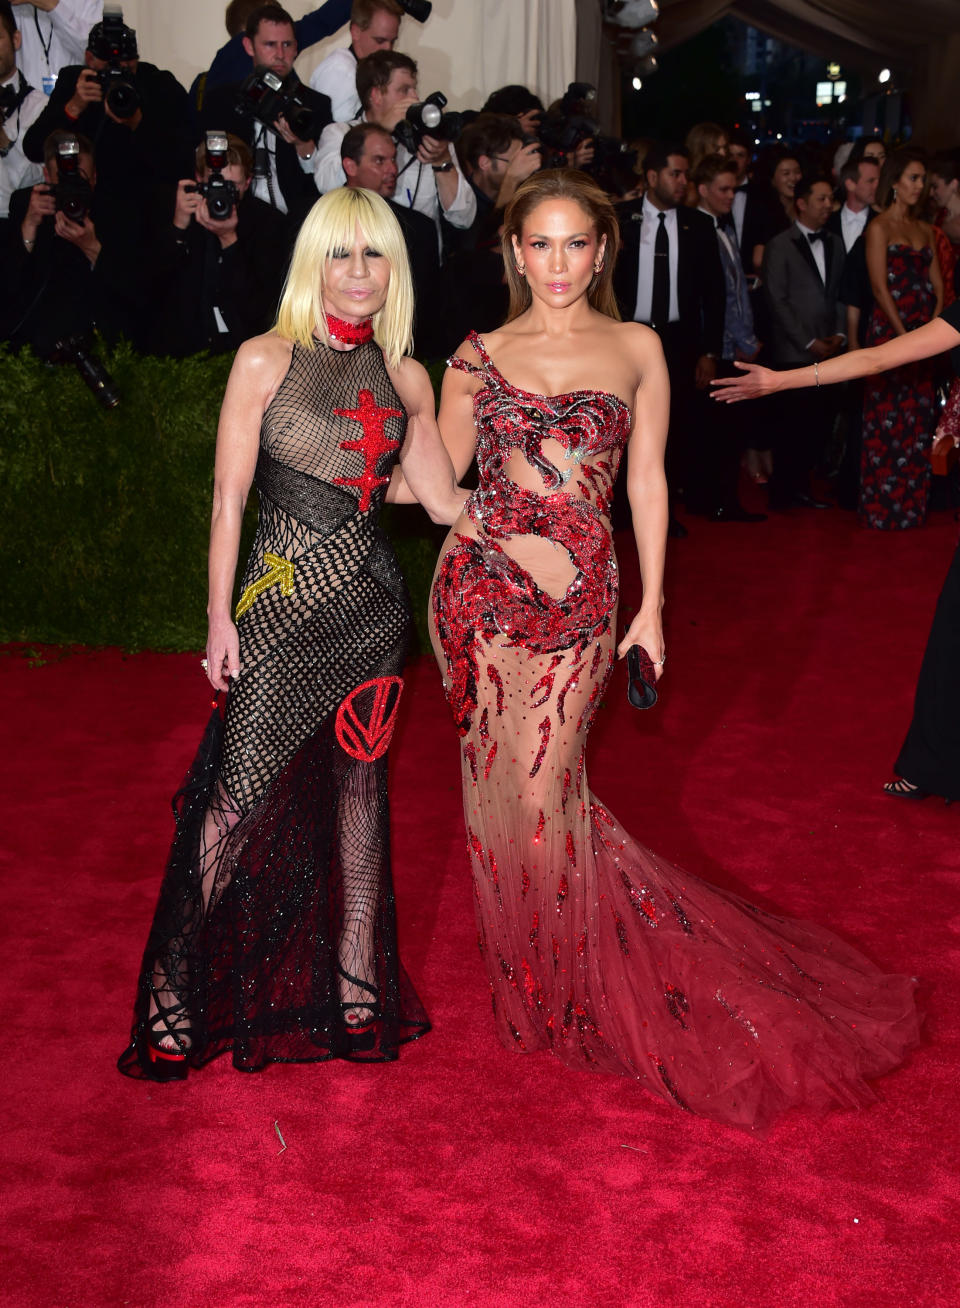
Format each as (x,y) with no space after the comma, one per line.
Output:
(119,189)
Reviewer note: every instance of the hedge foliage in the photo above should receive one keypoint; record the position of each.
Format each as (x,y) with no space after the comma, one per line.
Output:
(105,518)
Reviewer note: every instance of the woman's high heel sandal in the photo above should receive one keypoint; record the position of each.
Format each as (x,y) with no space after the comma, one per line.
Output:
(164,1043)
(360,1016)
(905,789)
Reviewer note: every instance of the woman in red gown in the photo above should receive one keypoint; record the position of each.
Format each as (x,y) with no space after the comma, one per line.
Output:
(595,947)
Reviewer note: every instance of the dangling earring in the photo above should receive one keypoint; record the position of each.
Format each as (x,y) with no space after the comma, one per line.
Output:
(894,192)
(520,269)
(598,268)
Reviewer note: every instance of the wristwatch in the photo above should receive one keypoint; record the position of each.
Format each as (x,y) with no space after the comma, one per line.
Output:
(444,167)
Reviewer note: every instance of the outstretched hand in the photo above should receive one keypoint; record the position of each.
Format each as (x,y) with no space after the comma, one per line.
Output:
(758,381)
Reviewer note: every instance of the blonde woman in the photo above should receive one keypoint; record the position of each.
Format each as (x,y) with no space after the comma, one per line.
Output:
(274,937)
(703,139)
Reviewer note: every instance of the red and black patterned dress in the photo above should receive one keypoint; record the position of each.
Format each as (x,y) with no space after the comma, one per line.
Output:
(596,948)
(276,915)
(900,410)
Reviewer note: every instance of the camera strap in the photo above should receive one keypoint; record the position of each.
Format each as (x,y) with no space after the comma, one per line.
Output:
(44,44)
(23,90)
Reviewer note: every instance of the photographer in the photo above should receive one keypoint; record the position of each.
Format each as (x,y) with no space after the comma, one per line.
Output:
(283,144)
(20,105)
(231,62)
(496,158)
(54,36)
(136,114)
(517,102)
(219,267)
(71,269)
(429,177)
(374,25)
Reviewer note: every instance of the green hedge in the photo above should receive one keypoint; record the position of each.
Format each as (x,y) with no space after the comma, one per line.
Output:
(103,533)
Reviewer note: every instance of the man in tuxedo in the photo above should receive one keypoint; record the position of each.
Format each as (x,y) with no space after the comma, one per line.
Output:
(283,161)
(719,437)
(669,276)
(749,212)
(368,153)
(802,268)
(858,182)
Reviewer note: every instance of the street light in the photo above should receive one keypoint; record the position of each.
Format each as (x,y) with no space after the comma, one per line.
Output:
(884,76)
(637,84)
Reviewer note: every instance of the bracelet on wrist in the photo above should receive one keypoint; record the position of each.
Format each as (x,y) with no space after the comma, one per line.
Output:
(444,167)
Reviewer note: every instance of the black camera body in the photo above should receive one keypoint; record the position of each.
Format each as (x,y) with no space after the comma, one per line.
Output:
(116,43)
(265,96)
(120,93)
(427,118)
(73,194)
(220,194)
(78,351)
(418,9)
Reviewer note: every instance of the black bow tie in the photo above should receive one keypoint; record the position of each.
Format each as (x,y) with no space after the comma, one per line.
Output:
(816,236)
(725,223)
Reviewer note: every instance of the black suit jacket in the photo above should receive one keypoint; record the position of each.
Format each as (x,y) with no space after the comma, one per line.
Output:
(420,235)
(192,274)
(701,292)
(159,150)
(801,306)
(835,225)
(219,110)
(54,292)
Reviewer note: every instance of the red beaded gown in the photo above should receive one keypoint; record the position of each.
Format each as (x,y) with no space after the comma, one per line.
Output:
(595,947)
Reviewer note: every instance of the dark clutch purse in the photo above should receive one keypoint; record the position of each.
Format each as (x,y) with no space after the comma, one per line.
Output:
(641,678)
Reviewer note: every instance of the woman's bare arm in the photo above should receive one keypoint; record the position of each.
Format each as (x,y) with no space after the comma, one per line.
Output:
(256,374)
(924,343)
(427,473)
(647,491)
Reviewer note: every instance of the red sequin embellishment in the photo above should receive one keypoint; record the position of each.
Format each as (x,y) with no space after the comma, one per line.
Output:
(489,763)
(374,444)
(349,333)
(544,730)
(562,891)
(368,739)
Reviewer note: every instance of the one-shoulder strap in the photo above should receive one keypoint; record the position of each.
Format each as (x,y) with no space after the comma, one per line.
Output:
(487,367)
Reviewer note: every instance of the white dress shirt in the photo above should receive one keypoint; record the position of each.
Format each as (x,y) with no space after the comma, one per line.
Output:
(54,40)
(16,170)
(416,183)
(816,249)
(649,227)
(336,77)
(852,225)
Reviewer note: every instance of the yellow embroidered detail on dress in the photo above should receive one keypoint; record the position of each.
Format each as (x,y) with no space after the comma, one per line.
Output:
(280,570)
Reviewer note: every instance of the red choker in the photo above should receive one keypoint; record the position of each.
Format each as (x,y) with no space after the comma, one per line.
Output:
(350,333)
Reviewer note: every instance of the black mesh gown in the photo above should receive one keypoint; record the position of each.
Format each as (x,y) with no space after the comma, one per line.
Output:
(276,912)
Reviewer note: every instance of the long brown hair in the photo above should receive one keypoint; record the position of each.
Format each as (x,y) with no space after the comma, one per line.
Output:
(562,184)
(894,167)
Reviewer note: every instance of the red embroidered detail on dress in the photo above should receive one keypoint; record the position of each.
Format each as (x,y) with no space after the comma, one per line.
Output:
(497,680)
(564,794)
(470,754)
(595,661)
(587,714)
(571,681)
(368,740)
(477,848)
(621,929)
(535,932)
(484,728)
(677,1003)
(555,948)
(489,763)
(641,900)
(571,851)
(541,823)
(524,881)
(544,730)
(562,891)
(374,444)
(582,944)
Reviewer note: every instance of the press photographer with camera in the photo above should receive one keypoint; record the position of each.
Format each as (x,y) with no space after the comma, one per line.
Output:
(374,25)
(278,117)
(136,114)
(20,105)
(218,268)
(54,34)
(74,268)
(496,157)
(428,174)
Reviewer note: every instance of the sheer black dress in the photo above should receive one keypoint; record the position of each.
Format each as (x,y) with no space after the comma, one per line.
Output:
(275,936)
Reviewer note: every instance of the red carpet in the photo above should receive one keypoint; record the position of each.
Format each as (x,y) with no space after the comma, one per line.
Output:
(467,1173)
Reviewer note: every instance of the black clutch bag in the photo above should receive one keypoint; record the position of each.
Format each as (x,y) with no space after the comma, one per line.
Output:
(641,678)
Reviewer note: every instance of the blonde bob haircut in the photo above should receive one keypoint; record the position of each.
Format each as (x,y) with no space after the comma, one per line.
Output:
(330,226)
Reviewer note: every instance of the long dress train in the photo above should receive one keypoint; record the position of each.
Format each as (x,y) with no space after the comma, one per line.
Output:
(596,948)
(276,914)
